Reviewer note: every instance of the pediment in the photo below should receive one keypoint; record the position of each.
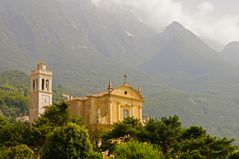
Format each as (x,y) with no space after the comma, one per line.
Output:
(127,92)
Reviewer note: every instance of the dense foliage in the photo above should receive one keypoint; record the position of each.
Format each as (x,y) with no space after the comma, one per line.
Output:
(136,150)
(13,94)
(71,141)
(22,139)
(16,152)
(56,134)
(16,79)
(13,101)
(14,139)
(170,138)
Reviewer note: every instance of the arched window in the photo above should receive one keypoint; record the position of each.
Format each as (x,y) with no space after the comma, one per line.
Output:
(43,84)
(36,83)
(33,84)
(125,113)
(47,85)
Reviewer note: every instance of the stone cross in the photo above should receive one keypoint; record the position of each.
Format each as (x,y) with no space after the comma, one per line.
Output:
(125,78)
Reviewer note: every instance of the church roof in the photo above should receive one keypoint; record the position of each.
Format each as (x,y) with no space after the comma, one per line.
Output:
(123,90)
(115,91)
(98,94)
(78,98)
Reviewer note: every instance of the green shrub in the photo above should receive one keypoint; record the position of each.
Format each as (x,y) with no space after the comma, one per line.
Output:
(136,150)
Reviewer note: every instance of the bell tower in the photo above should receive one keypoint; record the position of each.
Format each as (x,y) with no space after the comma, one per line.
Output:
(40,91)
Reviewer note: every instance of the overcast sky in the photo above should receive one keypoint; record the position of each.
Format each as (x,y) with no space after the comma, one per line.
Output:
(214,20)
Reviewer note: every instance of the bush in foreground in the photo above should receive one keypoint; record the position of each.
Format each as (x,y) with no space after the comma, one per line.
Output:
(70,141)
(136,150)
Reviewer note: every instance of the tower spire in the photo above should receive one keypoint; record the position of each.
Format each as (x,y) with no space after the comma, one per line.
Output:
(110,86)
(139,89)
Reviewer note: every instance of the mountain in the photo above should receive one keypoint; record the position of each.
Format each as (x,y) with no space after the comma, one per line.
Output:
(86,45)
(76,39)
(180,50)
(231,52)
(186,62)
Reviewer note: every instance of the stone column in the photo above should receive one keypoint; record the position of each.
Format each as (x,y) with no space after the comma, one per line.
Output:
(132,107)
(111,112)
(140,113)
(119,110)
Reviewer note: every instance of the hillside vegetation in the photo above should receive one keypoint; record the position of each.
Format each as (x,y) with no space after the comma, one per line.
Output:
(201,109)
(13,102)
(13,94)
(56,134)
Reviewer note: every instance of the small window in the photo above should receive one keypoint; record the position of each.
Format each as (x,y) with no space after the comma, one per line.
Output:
(125,113)
(125,92)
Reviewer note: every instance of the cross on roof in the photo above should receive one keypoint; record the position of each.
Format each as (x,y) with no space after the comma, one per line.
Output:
(125,78)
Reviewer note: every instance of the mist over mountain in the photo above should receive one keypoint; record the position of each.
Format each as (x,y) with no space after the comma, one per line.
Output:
(180,50)
(85,46)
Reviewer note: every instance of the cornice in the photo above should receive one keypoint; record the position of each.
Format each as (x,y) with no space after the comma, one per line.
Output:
(128,98)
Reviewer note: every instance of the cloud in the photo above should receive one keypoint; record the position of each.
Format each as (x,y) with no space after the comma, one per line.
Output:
(206,20)
(155,13)
(205,7)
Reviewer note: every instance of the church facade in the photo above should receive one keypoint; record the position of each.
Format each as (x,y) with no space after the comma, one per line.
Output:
(108,107)
(104,108)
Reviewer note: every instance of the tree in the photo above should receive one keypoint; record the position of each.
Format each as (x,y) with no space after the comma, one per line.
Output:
(164,133)
(193,132)
(16,152)
(136,150)
(234,155)
(175,141)
(208,147)
(56,116)
(70,141)
(128,128)
(4,126)
(195,142)
(122,131)
(12,134)
(178,142)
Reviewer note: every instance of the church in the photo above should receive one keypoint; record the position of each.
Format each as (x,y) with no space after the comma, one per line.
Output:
(105,108)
